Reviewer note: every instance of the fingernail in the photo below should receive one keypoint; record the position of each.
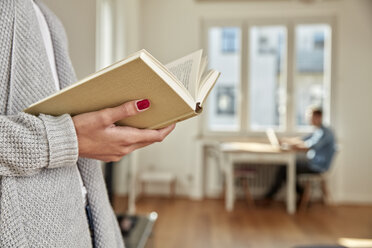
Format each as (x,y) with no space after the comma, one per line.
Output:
(142,104)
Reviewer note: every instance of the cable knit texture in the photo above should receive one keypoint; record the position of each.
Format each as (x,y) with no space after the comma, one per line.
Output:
(40,195)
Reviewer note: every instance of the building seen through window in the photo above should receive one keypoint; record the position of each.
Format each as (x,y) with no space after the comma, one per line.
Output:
(229,43)
(312,69)
(224,55)
(267,77)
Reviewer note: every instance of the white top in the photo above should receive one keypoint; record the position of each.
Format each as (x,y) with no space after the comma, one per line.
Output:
(50,53)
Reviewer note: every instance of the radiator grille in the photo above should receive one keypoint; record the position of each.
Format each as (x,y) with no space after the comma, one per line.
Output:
(259,176)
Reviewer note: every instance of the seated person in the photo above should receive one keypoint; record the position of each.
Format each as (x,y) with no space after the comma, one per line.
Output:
(319,147)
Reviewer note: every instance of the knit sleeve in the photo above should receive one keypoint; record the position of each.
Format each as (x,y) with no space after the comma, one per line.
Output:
(29,144)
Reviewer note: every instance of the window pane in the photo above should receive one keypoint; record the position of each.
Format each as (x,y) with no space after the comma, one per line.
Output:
(267,77)
(224,56)
(312,74)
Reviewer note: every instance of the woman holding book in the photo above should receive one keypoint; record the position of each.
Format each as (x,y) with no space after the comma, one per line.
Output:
(52,192)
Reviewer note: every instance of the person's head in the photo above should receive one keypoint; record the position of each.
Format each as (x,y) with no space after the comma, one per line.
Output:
(316,114)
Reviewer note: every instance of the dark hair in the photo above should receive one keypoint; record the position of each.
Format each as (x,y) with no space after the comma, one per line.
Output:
(317,111)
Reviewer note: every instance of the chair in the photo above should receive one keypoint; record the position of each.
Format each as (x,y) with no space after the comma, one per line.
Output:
(311,180)
(241,174)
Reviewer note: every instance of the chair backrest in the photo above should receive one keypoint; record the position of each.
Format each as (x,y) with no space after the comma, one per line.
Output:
(330,170)
(324,175)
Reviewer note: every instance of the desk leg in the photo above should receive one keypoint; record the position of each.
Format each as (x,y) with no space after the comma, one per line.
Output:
(229,180)
(291,184)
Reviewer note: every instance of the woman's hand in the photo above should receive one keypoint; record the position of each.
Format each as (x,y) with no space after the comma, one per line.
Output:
(99,138)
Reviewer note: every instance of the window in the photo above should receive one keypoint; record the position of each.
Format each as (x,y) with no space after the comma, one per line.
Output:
(267,77)
(312,70)
(254,61)
(230,42)
(223,108)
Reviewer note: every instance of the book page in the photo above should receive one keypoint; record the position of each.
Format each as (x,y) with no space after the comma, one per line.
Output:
(186,69)
(209,80)
(202,70)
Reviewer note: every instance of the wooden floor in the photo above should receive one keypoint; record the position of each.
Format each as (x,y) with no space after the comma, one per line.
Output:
(183,223)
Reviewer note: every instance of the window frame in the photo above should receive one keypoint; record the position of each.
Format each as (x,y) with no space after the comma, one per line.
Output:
(206,24)
(290,24)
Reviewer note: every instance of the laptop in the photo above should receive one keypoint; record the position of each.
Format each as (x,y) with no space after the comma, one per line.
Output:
(274,141)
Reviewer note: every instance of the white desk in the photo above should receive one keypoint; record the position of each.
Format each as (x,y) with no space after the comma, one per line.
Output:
(233,152)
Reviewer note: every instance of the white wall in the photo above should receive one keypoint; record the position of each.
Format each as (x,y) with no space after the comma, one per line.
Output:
(170,29)
(79,19)
(355,101)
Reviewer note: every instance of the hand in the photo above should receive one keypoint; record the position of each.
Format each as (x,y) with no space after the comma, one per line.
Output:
(99,138)
(300,147)
(291,141)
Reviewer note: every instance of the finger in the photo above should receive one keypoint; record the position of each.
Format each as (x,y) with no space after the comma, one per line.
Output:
(130,135)
(108,158)
(125,150)
(158,135)
(112,115)
(138,146)
(168,129)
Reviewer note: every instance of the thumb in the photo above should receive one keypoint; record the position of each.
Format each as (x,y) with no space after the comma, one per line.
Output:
(126,110)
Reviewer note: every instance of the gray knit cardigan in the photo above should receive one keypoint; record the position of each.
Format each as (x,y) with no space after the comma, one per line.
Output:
(40,196)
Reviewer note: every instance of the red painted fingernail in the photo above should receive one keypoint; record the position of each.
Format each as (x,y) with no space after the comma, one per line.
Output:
(142,104)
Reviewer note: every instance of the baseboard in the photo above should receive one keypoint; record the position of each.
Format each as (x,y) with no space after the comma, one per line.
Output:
(353,199)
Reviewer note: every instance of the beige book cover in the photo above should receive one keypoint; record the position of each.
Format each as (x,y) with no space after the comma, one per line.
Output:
(140,76)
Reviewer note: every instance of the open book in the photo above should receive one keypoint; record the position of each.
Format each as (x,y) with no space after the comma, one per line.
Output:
(176,91)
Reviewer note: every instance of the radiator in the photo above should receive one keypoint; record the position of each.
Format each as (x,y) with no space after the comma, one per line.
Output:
(259,180)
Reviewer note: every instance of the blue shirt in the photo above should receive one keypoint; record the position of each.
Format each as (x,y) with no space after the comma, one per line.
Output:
(321,144)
